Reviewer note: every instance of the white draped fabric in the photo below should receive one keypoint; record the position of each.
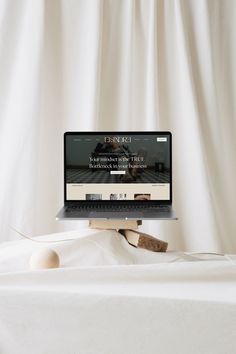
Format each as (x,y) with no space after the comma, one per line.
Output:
(120,65)
(108,297)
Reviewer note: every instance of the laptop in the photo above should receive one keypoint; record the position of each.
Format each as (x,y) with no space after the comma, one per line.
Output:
(117,175)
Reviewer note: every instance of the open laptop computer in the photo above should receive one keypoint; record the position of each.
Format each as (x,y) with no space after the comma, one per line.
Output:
(117,175)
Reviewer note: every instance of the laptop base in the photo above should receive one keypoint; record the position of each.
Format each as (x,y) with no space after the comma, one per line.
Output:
(128,228)
(71,213)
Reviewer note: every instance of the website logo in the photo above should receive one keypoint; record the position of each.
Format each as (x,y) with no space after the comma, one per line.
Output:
(117,139)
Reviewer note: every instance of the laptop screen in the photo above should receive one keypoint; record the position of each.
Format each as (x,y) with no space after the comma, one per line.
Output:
(131,166)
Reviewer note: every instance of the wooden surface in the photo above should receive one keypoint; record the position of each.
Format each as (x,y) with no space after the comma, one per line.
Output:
(128,228)
(114,224)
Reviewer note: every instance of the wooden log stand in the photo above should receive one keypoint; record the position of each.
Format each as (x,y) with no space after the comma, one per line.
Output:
(129,229)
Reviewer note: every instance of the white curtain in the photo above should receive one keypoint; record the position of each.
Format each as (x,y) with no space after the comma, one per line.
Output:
(120,65)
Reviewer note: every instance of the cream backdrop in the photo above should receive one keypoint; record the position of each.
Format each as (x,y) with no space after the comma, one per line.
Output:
(128,65)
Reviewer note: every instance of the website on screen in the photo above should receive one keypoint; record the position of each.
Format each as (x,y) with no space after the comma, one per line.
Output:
(117,167)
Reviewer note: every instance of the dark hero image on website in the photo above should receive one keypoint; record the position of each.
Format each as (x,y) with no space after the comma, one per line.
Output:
(117,167)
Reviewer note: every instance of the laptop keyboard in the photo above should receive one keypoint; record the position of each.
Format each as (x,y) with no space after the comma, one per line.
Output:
(117,208)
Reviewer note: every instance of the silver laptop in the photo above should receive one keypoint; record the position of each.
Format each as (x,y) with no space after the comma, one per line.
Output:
(117,175)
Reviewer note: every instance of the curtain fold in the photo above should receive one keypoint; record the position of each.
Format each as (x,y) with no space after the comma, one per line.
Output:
(120,65)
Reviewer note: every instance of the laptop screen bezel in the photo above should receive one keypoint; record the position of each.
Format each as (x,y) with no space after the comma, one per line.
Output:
(129,202)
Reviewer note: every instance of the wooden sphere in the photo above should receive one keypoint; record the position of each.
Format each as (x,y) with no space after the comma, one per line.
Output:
(43,259)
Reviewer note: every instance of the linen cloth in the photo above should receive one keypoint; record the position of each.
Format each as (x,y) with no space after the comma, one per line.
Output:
(110,298)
